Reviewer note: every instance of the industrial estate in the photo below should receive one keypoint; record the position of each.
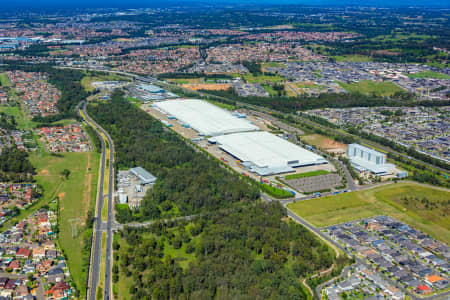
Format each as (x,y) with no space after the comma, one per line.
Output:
(225,151)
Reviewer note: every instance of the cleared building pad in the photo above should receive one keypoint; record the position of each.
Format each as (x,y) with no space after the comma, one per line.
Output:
(206,118)
(266,154)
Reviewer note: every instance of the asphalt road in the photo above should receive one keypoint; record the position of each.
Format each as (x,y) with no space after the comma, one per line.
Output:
(96,250)
(99,226)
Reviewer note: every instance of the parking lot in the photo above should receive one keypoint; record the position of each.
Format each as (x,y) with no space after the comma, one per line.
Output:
(316,183)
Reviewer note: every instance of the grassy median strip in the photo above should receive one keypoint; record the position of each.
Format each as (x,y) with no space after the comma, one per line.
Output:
(101,279)
(106,186)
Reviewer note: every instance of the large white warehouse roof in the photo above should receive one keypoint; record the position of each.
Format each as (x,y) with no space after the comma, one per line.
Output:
(265,153)
(204,117)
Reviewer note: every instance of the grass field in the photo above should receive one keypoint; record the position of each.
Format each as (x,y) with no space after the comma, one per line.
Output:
(185,80)
(268,88)
(272,64)
(4,80)
(250,78)
(383,200)
(384,88)
(307,174)
(352,58)
(429,74)
(133,99)
(222,105)
(87,80)
(401,37)
(23,122)
(76,196)
(275,192)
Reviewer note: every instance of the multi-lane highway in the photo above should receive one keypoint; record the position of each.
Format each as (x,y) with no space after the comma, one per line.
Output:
(99,225)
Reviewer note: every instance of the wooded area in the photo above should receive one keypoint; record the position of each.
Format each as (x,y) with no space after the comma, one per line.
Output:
(249,253)
(188,181)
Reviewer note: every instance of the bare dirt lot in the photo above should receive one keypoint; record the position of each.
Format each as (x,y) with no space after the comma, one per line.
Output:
(327,144)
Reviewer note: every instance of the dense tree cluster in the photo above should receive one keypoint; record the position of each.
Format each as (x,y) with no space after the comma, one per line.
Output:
(330,100)
(188,181)
(248,253)
(15,166)
(7,122)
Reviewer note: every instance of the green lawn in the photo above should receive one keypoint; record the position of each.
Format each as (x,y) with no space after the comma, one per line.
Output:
(307,174)
(275,192)
(352,58)
(222,105)
(384,200)
(384,88)
(23,122)
(185,80)
(76,195)
(4,80)
(401,37)
(429,74)
(250,78)
(268,88)
(272,64)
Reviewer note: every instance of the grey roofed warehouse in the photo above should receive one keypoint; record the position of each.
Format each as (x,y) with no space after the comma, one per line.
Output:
(144,176)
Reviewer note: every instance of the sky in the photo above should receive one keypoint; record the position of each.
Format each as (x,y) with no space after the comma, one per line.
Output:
(152,3)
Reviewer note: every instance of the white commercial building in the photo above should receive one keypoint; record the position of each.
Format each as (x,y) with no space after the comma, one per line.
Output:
(266,154)
(206,118)
(366,159)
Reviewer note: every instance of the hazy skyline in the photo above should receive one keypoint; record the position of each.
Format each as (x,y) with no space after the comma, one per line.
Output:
(151,3)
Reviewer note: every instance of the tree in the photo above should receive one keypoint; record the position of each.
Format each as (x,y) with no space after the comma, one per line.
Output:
(65,173)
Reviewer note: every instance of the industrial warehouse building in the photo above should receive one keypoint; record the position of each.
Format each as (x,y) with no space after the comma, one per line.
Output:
(207,119)
(266,154)
(366,159)
(144,176)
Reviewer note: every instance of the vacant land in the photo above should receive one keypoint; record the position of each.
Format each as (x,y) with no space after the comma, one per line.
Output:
(185,80)
(4,80)
(250,78)
(323,142)
(87,81)
(426,208)
(352,58)
(208,86)
(401,37)
(384,88)
(23,122)
(268,88)
(76,195)
(429,74)
(272,64)
(307,174)
(223,105)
